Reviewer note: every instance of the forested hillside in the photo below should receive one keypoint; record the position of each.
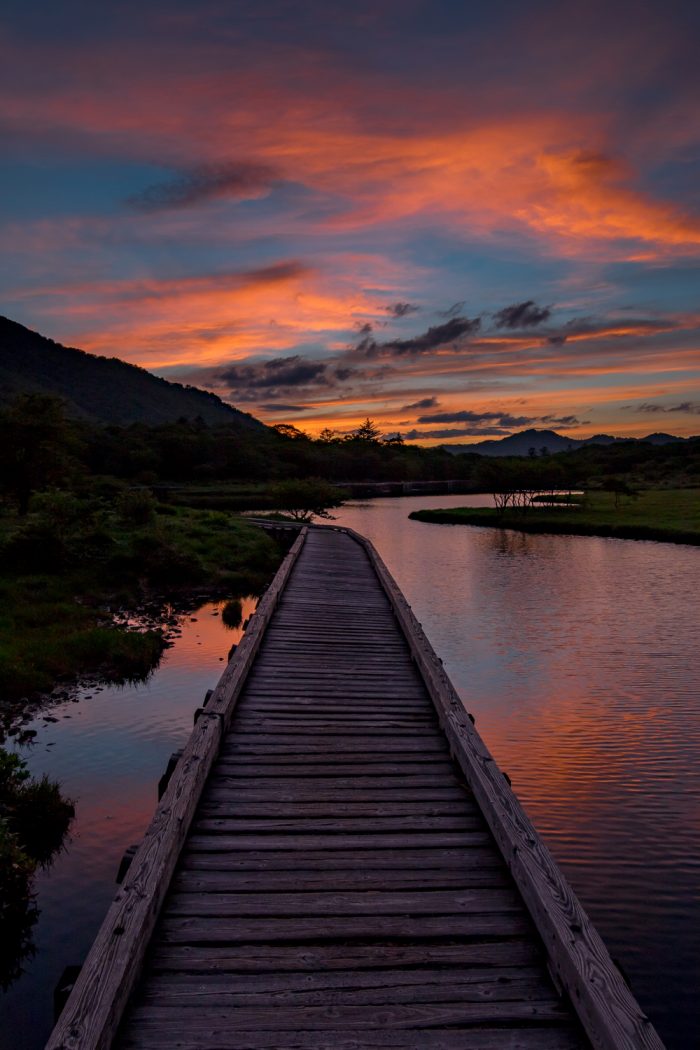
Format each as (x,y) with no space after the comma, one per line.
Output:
(101,389)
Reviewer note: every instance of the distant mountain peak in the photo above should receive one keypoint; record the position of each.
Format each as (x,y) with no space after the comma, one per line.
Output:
(102,389)
(524,441)
(660,438)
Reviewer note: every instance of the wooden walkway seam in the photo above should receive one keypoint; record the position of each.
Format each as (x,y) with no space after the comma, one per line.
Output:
(338,861)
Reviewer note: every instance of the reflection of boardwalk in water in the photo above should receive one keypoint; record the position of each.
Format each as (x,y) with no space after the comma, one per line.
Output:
(327,878)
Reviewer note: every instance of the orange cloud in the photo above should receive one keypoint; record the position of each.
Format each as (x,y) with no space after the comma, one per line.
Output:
(208,319)
(538,170)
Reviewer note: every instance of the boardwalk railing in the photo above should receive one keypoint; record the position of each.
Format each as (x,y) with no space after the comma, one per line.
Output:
(91,1016)
(578,959)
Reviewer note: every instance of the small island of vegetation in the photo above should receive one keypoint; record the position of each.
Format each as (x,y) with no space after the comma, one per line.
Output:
(669,515)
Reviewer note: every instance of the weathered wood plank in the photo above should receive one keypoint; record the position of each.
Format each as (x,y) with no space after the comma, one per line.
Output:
(374,959)
(346,718)
(359,783)
(351,744)
(343,841)
(356,733)
(227,803)
(370,902)
(401,791)
(291,686)
(424,980)
(529,1038)
(352,762)
(447,987)
(299,660)
(213,823)
(194,880)
(213,930)
(293,707)
(460,859)
(246,769)
(348,643)
(431,1015)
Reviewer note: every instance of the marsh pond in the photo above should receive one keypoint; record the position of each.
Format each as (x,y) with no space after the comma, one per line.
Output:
(578,657)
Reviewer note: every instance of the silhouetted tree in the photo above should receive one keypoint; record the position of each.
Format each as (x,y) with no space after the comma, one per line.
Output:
(367,431)
(306,498)
(328,435)
(288,430)
(36,442)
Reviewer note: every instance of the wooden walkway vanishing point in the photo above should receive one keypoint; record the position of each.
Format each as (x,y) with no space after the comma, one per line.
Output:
(338,862)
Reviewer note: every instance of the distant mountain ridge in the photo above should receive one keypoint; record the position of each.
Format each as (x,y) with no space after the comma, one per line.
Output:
(521,443)
(102,389)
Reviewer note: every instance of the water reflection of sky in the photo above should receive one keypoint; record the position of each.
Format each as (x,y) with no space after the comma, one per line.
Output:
(108,751)
(579,658)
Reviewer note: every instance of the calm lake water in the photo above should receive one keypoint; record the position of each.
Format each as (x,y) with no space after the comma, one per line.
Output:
(579,658)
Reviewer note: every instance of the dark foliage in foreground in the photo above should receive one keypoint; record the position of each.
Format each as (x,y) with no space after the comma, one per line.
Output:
(34,819)
(72,561)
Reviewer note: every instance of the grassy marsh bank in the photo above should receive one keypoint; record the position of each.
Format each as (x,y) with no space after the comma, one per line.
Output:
(69,567)
(668,515)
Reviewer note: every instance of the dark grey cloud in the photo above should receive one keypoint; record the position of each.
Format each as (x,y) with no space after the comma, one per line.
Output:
(454,310)
(522,315)
(280,371)
(501,419)
(563,422)
(613,328)
(342,374)
(686,406)
(690,407)
(207,182)
(285,377)
(437,336)
(427,402)
(453,432)
(401,309)
(485,424)
(275,406)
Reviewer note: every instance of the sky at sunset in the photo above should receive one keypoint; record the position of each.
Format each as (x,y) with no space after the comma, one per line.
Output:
(461,219)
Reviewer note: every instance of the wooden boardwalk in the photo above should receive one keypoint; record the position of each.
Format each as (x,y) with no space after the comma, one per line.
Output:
(329,876)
